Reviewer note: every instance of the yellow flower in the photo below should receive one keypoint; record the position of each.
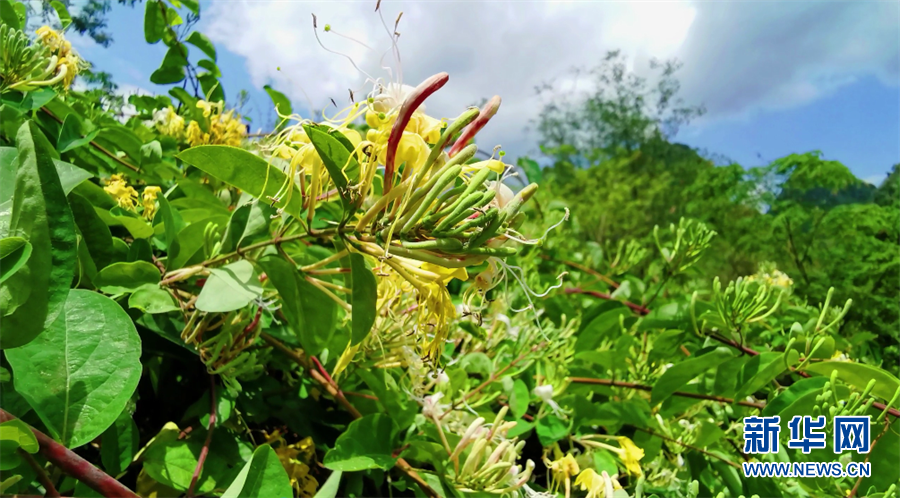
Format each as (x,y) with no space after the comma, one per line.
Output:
(148,199)
(124,195)
(597,486)
(437,311)
(295,459)
(491,164)
(223,128)
(631,455)
(51,39)
(168,122)
(446,274)
(67,60)
(562,471)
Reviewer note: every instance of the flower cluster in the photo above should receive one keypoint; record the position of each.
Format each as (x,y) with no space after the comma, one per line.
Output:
(219,127)
(770,276)
(295,458)
(124,195)
(68,63)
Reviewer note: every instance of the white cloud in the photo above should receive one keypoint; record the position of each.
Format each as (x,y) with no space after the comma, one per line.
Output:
(738,56)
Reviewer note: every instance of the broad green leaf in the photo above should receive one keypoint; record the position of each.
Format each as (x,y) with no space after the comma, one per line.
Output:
(14,253)
(765,369)
(32,298)
(136,226)
(64,18)
(8,14)
(792,394)
(310,313)
(211,87)
(366,444)
(229,288)
(246,171)
(262,477)
(192,5)
(365,294)
(119,278)
(246,221)
(119,138)
(551,429)
(15,434)
(150,298)
(188,247)
(858,375)
(667,316)
(200,41)
(282,103)
(519,400)
(170,218)
(681,373)
(94,232)
(79,374)
(172,68)
(532,169)
(70,135)
(154,24)
(337,159)
(330,488)
(599,328)
(210,66)
(118,444)
(171,460)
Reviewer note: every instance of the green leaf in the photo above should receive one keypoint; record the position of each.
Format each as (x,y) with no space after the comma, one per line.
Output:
(80,373)
(119,278)
(15,434)
(229,288)
(118,444)
(211,87)
(364,297)
(154,24)
(330,488)
(14,253)
(765,367)
(551,429)
(210,66)
(170,218)
(681,373)
(200,41)
(34,296)
(172,68)
(64,18)
(8,14)
(310,313)
(171,460)
(282,103)
(119,138)
(262,477)
(136,226)
(532,169)
(858,375)
(189,243)
(366,444)
(519,400)
(792,394)
(192,5)
(150,298)
(246,171)
(94,231)
(336,157)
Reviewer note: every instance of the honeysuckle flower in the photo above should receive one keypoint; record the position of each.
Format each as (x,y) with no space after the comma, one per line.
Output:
(413,150)
(68,64)
(169,123)
(432,408)
(562,470)
(631,455)
(124,195)
(295,459)
(223,128)
(545,392)
(437,311)
(597,485)
(491,164)
(148,201)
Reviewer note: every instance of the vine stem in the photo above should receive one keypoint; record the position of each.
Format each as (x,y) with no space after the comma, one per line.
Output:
(319,374)
(612,283)
(641,387)
(75,466)
(49,489)
(209,432)
(887,425)
(641,310)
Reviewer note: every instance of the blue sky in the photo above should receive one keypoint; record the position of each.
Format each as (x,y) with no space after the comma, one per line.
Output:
(776,77)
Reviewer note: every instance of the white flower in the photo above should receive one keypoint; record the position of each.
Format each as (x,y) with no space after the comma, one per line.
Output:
(391,97)
(545,392)
(431,407)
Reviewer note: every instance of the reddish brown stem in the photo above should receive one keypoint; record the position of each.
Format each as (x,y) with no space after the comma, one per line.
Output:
(641,387)
(407,108)
(641,310)
(75,466)
(612,283)
(469,132)
(209,432)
